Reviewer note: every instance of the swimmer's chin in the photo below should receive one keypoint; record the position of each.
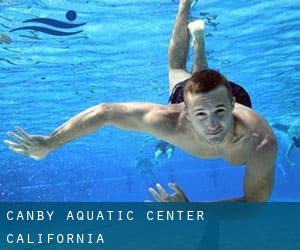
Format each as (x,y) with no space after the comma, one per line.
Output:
(213,143)
(214,140)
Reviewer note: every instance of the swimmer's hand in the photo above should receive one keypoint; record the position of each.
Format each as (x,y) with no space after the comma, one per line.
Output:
(163,196)
(35,146)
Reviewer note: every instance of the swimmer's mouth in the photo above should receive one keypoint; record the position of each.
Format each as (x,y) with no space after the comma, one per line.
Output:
(215,132)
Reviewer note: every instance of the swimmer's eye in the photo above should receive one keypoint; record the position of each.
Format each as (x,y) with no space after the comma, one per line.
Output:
(220,111)
(201,114)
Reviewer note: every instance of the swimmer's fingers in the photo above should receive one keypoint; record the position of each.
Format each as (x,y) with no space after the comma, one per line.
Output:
(12,144)
(178,190)
(163,194)
(17,138)
(155,194)
(23,133)
(20,149)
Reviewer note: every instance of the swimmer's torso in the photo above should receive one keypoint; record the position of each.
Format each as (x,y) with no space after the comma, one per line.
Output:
(249,131)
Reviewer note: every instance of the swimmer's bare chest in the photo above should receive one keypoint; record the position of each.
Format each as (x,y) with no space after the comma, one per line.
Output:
(236,153)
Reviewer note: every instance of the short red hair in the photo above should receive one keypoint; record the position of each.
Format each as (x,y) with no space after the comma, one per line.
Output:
(205,81)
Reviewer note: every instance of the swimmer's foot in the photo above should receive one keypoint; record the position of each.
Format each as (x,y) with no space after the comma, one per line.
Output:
(191,3)
(196,26)
(157,156)
(186,3)
(196,29)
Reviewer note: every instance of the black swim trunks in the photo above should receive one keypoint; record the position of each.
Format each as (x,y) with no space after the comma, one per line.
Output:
(240,94)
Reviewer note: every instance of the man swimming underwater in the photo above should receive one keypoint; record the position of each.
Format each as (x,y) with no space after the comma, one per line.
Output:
(208,118)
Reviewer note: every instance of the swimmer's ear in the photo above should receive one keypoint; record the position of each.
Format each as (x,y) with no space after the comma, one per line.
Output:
(233,101)
(186,113)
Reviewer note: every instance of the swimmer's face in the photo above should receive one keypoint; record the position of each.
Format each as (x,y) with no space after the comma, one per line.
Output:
(210,114)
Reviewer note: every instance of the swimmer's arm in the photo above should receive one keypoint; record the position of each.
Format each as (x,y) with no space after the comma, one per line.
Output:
(258,180)
(143,117)
(259,177)
(146,117)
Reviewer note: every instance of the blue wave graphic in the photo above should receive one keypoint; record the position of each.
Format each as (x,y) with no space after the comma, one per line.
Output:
(47,30)
(70,15)
(54,23)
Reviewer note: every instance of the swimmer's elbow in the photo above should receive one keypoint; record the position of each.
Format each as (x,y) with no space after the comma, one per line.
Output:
(105,113)
(128,116)
(267,148)
(94,117)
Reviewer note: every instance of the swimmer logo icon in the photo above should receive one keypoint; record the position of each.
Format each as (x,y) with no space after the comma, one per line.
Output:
(71,15)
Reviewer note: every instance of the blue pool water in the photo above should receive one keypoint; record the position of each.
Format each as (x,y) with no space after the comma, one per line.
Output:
(121,55)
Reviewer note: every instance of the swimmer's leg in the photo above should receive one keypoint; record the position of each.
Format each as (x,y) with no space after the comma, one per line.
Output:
(170,151)
(157,155)
(196,29)
(179,46)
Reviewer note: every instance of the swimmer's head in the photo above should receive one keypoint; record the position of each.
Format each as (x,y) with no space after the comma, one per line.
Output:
(209,103)
(296,141)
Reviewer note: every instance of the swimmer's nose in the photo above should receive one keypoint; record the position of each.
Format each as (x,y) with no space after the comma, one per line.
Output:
(213,124)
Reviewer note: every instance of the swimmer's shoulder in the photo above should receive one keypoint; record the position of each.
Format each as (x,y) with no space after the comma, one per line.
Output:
(252,125)
(170,115)
(176,114)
